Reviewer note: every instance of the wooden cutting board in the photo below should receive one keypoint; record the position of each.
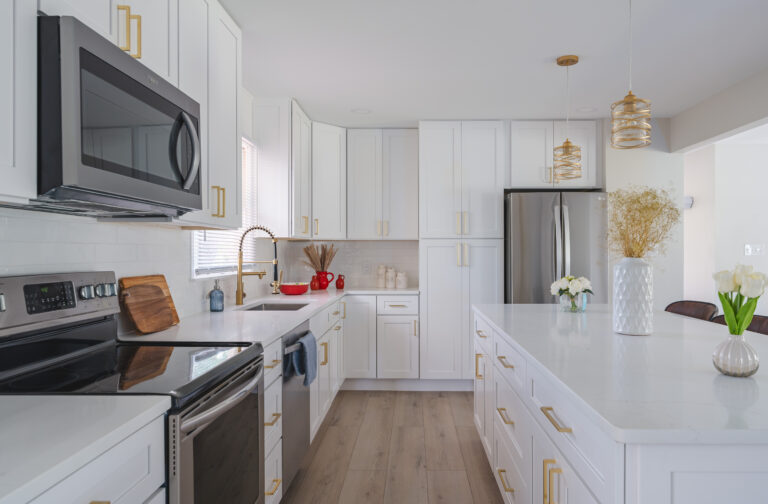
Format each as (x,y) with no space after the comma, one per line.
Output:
(156,280)
(148,308)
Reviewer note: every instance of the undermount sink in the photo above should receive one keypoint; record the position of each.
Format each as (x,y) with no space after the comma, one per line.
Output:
(277,307)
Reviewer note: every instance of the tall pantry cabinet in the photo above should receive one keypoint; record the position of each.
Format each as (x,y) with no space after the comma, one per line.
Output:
(462,173)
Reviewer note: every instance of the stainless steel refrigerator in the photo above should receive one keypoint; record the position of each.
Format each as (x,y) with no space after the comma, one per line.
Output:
(552,234)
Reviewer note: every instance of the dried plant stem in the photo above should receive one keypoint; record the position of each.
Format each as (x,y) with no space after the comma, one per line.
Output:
(640,220)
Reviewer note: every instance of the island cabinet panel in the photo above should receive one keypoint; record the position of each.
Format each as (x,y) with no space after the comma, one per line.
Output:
(360,337)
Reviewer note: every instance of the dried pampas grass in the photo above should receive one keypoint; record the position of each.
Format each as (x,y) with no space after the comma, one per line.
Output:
(640,220)
(319,258)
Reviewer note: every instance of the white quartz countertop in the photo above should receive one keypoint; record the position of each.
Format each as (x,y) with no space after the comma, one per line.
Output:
(660,388)
(238,325)
(43,439)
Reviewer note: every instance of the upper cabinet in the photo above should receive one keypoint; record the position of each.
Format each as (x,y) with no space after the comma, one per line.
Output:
(18,101)
(461,179)
(382,178)
(99,15)
(301,164)
(329,182)
(531,153)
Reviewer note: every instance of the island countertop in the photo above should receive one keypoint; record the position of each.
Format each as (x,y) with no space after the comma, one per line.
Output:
(660,388)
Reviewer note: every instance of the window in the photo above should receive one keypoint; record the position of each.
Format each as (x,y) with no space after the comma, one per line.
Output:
(215,252)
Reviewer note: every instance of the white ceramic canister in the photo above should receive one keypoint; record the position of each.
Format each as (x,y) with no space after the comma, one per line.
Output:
(381,276)
(390,280)
(401,280)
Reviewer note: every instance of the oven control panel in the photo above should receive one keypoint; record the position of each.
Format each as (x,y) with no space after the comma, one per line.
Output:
(47,297)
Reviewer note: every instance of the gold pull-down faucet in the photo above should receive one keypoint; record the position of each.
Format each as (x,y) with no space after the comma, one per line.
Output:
(240,293)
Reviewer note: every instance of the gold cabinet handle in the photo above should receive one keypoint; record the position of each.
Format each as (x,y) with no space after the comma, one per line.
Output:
(275,418)
(317,226)
(127,46)
(378,228)
(466,254)
(277,482)
(137,18)
(503,415)
(306,224)
(325,353)
(481,334)
(544,474)
(337,328)
(458,223)
(344,304)
(223,202)
(415,327)
(554,470)
(335,313)
(503,360)
(477,366)
(101,502)
(275,362)
(548,410)
(465,219)
(386,228)
(218,201)
(458,254)
(398,306)
(506,487)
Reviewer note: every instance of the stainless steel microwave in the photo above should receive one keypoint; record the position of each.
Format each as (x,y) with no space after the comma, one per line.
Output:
(114,139)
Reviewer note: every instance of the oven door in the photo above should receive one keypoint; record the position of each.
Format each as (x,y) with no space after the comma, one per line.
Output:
(216,445)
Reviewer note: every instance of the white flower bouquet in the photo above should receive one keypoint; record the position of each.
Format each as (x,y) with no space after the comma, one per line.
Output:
(739,291)
(570,289)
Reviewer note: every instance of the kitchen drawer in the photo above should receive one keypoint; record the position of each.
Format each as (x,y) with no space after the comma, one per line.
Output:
(131,471)
(273,415)
(273,475)
(588,448)
(397,305)
(325,319)
(273,362)
(509,362)
(513,485)
(483,333)
(514,421)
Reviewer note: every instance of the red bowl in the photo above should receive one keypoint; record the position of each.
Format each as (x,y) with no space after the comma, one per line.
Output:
(294,289)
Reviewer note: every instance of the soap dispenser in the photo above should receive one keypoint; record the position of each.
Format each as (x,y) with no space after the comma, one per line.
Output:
(217,298)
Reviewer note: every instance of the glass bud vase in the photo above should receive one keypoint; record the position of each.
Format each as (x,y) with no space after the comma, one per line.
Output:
(736,357)
(575,304)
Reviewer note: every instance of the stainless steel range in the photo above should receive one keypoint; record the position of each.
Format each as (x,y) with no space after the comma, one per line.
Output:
(58,335)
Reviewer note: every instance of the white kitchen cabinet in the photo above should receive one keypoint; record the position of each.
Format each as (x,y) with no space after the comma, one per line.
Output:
(531,153)
(360,337)
(397,346)
(479,380)
(338,357)
(273,475)
(96,14)
(453,275)
(382,190)
(329,182)
(461,179)
(18,101)
(301,163)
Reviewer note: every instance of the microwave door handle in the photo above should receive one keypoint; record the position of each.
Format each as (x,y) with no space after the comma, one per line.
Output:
(224,406)
(195,151)
(558,245)
(567,239)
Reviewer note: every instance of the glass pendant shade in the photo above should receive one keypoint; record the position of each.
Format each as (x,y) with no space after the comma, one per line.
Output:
(630,122)
(567,164)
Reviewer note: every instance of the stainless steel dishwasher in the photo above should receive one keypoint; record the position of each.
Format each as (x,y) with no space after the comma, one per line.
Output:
(295,411)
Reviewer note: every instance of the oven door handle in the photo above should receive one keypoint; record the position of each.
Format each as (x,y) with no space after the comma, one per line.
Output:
(225,405)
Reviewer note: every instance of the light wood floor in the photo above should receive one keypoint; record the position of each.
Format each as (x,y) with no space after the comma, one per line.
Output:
(396,447)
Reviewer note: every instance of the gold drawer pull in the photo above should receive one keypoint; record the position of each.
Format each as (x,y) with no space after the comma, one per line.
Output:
(477,366)
(503,415)
(503,360)
(481,334)
(275,362)
(337,328)
(507,488)
(325,353)
(344,304)
(544,491)
(275,418)
(548,410)
(554,470)
(101,502)
(277,482)
(398,306)
(335,313)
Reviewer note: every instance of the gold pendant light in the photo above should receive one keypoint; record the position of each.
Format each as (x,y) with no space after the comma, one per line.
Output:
(567,165)
(630,117)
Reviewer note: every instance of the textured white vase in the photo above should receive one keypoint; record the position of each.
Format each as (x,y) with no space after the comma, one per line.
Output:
(633,297)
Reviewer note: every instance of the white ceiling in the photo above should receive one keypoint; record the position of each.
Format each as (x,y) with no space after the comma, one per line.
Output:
(406,60)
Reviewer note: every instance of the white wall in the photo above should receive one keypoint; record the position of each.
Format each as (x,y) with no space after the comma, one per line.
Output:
(699,225)
(653,166)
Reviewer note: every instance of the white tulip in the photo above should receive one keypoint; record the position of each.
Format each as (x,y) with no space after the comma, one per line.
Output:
(740,272)
(753,285)
(724,281)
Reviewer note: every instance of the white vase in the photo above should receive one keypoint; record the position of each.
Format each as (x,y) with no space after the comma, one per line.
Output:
(633,297)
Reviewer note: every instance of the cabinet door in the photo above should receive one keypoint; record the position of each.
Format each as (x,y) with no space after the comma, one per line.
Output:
(531,144)
(339,356)
(439,179)
(360,337)
(96,14)
(329,182)
(273,475)
(364,189)
(301,166)
(483,155)
(18,101)
(397,346)
(583,134)
(400,184)
(479,358)
(147,30)
(323,374)
(225,147)
(333,366)
(441,349)
(482,283)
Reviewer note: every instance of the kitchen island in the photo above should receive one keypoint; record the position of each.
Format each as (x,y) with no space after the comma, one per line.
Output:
(569,411)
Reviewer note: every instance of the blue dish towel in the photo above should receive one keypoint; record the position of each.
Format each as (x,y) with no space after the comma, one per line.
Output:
(304,360)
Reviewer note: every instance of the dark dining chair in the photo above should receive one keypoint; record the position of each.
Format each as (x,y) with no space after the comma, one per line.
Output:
(695,309)
(759,323)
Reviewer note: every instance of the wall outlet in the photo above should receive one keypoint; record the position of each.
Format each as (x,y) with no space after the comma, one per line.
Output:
(754,249)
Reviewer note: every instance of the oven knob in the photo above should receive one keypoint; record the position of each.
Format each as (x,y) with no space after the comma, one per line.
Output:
(110,289)
(2,302)
(86,292)
(101,290)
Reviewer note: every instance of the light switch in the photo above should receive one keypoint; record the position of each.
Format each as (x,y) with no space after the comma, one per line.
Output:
(754,249)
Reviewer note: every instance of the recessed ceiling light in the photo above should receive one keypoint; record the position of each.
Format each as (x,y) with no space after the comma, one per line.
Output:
(361,111)
(586,109)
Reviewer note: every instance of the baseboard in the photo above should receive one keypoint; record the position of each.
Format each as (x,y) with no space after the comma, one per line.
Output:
(408,385)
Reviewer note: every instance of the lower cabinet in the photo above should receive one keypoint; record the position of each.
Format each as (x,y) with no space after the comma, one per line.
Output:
(397,346)
(273,474)
(329,371)
(360,337)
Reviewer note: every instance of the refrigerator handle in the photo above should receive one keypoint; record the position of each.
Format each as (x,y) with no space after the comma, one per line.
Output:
(558,245)
(567,239)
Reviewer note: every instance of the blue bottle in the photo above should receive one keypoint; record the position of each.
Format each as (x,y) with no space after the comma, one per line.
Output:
(217,298)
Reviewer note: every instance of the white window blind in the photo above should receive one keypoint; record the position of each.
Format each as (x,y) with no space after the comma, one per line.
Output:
(215,252)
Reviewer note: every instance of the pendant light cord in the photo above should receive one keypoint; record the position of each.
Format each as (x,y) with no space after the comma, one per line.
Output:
(567,100)
(630,45)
